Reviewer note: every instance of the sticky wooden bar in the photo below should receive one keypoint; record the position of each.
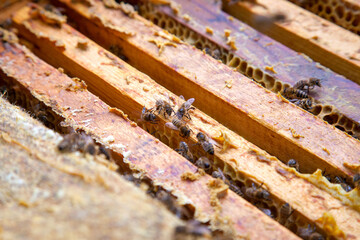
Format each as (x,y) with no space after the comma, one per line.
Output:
(323,41)
(140,151)
(123,87)
(261,58)
(255,113)
(48,190)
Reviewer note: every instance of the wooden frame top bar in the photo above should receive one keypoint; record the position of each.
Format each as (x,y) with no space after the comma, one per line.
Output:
(140,151)
(323,41)
(263,53)
(79,62)
(256,113)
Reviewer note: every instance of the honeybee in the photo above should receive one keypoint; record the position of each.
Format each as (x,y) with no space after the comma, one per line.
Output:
(305,103)
(194,228)
(179,125)
(285,212)
(105,151)
(213,53)
(170,202)
(79,142)
(343,184)
(292,93)
(309,233)
(267,212)
(185,108)
(327,176)
(306,85)
(257,193)
(148,115)
(356,181)
(233,186)
(184,151)
(293,164)
(219,174)
(163,106)
(204,141)
(204,163)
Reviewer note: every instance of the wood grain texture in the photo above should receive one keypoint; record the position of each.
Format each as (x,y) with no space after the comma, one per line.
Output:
(248,109)
(48,194)
(123,86)
(140,151)
(321,40)
(262,54)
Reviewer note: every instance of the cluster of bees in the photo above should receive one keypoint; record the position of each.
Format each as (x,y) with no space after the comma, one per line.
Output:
(299,93)
(82,142)
(178,121)
(335,179)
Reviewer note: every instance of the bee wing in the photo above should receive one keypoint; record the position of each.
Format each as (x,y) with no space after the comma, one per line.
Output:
(171,125)
(182,97)
(189,102)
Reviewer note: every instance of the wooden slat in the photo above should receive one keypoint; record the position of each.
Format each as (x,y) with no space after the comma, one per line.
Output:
(44,192)
(345,13)
(123,87)
(246,108)
(261,58)
(138,149)
(321,40)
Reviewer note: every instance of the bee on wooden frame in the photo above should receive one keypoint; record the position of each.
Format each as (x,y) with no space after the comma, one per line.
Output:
(204,163)
(306,85)
(205,142)
(184,151)
(292,93)
(257,193)
(179,125)
(185,108)
(163,106)
(148,115)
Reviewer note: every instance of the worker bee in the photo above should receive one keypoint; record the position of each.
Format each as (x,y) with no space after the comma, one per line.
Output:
(327,176)
(184,151)
(164,106)
(204,163)
(309,233)
(306,85)
(213,53)
(292,93)
(81,142)
(148,115)
(192,228)
(257,193)
(356,181)
(305,103)
(204,141)
(343,184)
(170,202)
(285,212)
(293,164)
(105,151)
(185,108)
(219,174)
(179,125)
(267,212)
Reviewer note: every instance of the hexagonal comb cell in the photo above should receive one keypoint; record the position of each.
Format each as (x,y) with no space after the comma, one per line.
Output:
(266,80)
(343,13)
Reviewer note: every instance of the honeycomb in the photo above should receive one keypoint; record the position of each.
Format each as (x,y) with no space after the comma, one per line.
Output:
(171,138)
(327,113)
(272,208)
(20,97)
(342,13)
(37,109)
